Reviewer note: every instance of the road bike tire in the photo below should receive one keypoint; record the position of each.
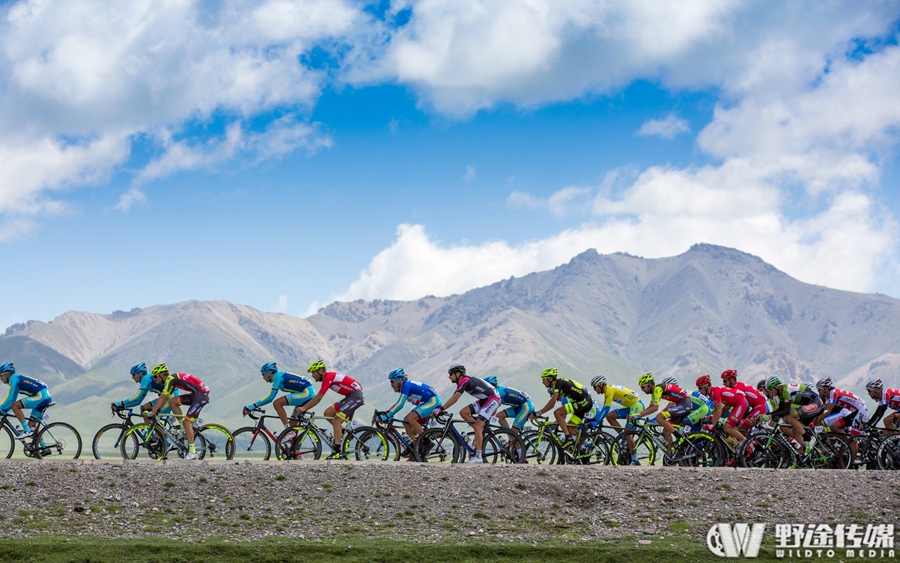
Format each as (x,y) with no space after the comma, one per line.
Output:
(593,448)
(700,449)
(542,451)
(219,442)
(888,454)
(144,442)
(397,446)
(60,441)
(105,444)
(7,442)
(643,447)
(250,445)
(491,450)
(763,450)
(436,446)
(842,456)
(365,443)
(303,445)
(512,448)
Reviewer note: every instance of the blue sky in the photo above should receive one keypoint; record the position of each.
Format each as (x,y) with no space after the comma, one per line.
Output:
(286,153)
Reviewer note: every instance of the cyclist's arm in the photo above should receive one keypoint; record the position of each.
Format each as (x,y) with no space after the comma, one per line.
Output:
(784,409)
(398,405)
(452,400)
(138,397)
(160,403)
(265,400)
(10,397)
(876,416)
(550,403)
(825,412)
(655,397)
(310,404)
(717,413)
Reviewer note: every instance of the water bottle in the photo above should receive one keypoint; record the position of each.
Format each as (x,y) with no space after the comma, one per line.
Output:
(354,425)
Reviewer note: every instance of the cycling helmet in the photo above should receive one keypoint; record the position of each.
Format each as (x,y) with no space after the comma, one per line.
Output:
(872,385)
(268,366)
(598,379)
(668,380)
(645,379)
(825,382)
(457,367)
(729,374)
(316,366)
(703,380)
(773,382)
(160,368)
(397,375)
(139,369)
(8,367)
(549,372)
(761,385)
(492,379)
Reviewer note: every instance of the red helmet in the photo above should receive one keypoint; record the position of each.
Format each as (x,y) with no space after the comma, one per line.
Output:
(703,380)
(729,374)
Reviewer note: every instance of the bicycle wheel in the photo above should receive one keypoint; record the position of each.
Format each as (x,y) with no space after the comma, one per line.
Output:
(7,442)
(106,441)
(436,446)
(251,445)
(539,449)
(700,449)
(593,449)
(365,443)
(763,450)
(512,449)
(644,449)
(839,454)
(491,450)
(219,442)
(144,441)
(397,446)
(200,446)
(888,454)
(58,440)
(298,443)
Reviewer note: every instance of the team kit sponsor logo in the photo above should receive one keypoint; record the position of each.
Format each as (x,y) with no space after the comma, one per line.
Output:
(804,541)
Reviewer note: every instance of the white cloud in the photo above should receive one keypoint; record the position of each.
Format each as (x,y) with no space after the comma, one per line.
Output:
(558,203)
(282,305)
(130,198)
(667,128)
(470,173)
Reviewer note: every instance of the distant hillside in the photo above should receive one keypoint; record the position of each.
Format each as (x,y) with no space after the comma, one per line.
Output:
(708,309)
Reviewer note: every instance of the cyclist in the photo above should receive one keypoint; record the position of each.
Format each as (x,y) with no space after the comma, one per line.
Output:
(37,398)
(486,404)
(299,389)
(147,383)
(196,394)
(721,397)
(757,400)
(886,398)
(339,412)
(578,404)
(630,406)
(519,404)
(680,403)
(798,404)
(424,398)
(851,411)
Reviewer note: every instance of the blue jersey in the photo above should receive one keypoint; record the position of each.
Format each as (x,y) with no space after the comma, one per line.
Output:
(704,399)
(286,382)
(510,396)
(19,383)
(148,383)
(416,392)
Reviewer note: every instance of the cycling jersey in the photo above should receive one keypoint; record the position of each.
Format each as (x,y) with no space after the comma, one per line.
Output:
(710,406)
(28,386)
(286,382)
(572,390)
(701,407)
(339,383)
(622,395)
(510,396)
(423,396)
(799,399)
(477,387)
(755,397)
(732,398)
(670,392)
(148,383)
(185,382)
(890,398)
(846,400)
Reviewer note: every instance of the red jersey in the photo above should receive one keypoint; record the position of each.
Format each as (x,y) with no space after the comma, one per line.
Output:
(754,396)
(339,383)
(891,398)
(846,400)
(730,397)
(185,382)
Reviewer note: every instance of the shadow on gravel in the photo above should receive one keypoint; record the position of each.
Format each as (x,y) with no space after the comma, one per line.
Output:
(82,549)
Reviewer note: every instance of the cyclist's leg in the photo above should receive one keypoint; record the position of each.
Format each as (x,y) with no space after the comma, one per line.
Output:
(466,412)
(486,410)
(421,412)
(37,405)
(342,412)
(733,421)
(295,400)
(197,402)
(502,414)
(698,413)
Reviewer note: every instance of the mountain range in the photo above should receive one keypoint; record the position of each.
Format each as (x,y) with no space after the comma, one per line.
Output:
(703,311)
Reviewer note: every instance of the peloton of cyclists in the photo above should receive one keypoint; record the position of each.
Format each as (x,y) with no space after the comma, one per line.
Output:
(339,412)
(423,397)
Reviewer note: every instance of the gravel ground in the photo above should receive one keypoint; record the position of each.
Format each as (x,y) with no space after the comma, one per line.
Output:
(333,500)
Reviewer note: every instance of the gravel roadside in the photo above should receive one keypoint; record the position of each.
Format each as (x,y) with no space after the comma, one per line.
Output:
(334,500)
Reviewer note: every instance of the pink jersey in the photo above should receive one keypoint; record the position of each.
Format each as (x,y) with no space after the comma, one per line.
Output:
(730,397)
(339,383)
(891,398)
(846,400)
(754,397)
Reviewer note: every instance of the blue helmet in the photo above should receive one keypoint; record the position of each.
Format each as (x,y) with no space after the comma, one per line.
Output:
(139,369)
(268,366)
(8,367)
(492,379)
(397,375)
